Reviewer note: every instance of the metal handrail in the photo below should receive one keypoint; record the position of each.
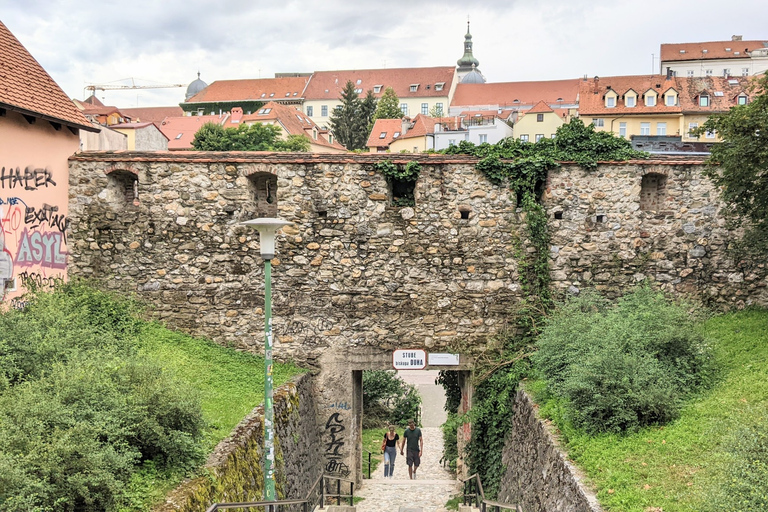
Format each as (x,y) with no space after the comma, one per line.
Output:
(369,462)
(273,506)
(473,488)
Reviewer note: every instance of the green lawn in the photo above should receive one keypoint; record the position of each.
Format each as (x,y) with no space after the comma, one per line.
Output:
(372,438)
(669,468)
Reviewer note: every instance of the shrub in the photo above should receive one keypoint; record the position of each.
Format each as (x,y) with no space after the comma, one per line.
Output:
(387,399)
(624,366)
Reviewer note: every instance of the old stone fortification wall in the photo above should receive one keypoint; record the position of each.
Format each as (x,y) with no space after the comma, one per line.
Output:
(538,475)
(235,467)
(616,231)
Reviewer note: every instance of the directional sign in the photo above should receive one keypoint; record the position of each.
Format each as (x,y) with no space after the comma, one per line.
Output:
(436,359)
(409,359)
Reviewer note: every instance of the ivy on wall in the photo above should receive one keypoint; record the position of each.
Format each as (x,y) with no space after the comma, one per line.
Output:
(402,180)
(523,167)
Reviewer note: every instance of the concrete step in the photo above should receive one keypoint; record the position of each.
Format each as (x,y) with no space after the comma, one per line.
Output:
(338,508)
(410,509)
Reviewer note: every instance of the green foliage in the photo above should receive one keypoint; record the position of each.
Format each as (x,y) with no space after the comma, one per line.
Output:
(347,121)
(388,106)
(739,163)
(372,438)
(436,111)
(626,366)
(387,399)
(449,380)
(255,137)
(450,442)
(408,173)
(368,110)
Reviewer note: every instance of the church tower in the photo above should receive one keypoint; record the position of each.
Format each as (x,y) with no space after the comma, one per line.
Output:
(467,66)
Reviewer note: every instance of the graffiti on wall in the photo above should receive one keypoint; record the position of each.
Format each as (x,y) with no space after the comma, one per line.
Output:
(334,444)
(33,231)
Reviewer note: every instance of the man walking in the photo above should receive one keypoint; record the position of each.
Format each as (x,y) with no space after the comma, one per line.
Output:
(412,437)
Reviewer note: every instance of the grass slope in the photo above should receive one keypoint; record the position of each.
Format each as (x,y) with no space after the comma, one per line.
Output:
(670,468)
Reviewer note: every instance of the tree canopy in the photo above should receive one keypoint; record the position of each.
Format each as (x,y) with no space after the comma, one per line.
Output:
(389,106)
(346,121)
(256,137)
(739,164)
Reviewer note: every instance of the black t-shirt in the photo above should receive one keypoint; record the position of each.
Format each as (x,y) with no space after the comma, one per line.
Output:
(391,442)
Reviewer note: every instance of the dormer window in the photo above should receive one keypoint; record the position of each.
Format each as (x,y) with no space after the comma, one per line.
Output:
(610,101)
(650,99)
(395,135)
(630,101)
(670,98)
(704,100)
(414,87)
(439,86)
(382,135)
(741,99)
(377,89)
(265,111)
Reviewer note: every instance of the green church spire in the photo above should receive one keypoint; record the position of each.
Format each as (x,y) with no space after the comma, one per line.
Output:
(468,61)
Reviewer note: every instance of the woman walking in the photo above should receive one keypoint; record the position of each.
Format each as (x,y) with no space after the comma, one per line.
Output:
(389,446)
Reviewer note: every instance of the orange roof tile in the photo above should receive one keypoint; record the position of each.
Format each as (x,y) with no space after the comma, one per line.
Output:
(723,92)
(181,130)
(290,118)
(513,94)
(152,114)
(387,127)
(27,88)
(421,125)
(710,50)
(539,108)
(259,89)
(330,84)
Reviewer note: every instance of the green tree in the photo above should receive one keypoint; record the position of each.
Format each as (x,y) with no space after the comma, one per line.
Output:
(739,164)
(367,110)
(346,122)
(437,111)
(256,137)
(388,106)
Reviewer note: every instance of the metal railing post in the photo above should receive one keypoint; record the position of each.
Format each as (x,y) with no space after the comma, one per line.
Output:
(338,491)
(351,494)
(369,465)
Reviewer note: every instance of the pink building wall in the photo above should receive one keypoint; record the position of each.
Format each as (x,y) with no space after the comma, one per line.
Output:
(34,193)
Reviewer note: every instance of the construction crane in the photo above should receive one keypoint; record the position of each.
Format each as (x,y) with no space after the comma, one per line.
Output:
(113,87)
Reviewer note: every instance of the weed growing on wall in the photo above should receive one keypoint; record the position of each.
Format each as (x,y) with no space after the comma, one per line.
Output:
(401,180)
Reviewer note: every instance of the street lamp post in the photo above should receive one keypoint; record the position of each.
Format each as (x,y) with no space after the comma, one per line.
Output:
(267,228)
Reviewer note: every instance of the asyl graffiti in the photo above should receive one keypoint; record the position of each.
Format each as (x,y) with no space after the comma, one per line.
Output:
(334,429)
(44,249)
(29,179)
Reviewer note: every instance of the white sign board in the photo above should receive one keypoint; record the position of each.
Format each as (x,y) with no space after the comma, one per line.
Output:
(443,359)
(409,359)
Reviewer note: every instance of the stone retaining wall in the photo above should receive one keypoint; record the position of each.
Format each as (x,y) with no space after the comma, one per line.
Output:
(234,469)
(538,475)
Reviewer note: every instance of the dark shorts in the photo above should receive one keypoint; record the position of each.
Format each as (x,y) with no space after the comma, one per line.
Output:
(412,458)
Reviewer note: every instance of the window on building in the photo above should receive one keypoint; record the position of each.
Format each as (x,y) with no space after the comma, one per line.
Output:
(742,99)
(744,71)
(395,135)
(645,128)
(439,86)
(553,136)
(652,192)
(382,135)
(324,111)
(650,100)
(598,121)
(404,108)
(539,136)
(539,118)
(310,110)
(661,128)
(710,135)
(451,142)
(439,109)
(703,100)
(726,71)
(414,87)
(691,127)
(377,89)
(424,109)
(708,72)
(483,138)
(671,100)
(622,129)
(630,101)
(358,91)
(610,101)
(524,137)
(179,136)
(359,81)
(689,73)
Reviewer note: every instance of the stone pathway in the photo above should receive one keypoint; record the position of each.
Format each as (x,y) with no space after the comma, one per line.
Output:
(434,485)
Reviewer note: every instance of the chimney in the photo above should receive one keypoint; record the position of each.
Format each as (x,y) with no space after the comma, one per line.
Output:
(669,73)
(406,123)
(237,114)
(736,38)
(597,84)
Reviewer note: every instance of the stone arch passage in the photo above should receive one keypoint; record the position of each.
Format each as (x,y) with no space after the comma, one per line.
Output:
(122,187)
(262,187)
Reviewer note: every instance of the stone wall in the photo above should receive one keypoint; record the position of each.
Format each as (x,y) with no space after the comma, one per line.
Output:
(538,475)
(613,234)
(235,467)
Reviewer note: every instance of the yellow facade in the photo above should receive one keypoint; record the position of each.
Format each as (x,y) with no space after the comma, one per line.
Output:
(411,145)
(531,125)
(626,126)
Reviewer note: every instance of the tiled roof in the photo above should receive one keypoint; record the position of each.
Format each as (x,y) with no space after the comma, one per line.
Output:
(152,114)
(388,127)
(710,50)
(421,125)
(99,110)
(259,89)
(539,108)
(504,94)
(28,89)
(181,130)
(330,84)
(290,118)
(722,92)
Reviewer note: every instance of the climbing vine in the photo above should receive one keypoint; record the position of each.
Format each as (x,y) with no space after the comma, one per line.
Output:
(402,180)
(523,167)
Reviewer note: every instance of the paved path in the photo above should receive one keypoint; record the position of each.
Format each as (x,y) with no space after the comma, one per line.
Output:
(434,485)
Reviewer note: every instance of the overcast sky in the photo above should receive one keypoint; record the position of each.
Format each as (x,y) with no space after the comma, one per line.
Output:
(168,41)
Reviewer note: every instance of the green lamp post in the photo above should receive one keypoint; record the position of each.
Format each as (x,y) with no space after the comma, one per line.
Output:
(268,228)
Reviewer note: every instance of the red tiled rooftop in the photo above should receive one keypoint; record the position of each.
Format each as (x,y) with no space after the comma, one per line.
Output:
(152,114)
(389,127)
(181,130)
(258,89)
(330,84)
(504,94)
(27,88)
(539,108)
(671,52)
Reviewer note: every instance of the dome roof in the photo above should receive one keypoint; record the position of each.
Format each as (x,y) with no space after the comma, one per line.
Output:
(195,87)
(473,77)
